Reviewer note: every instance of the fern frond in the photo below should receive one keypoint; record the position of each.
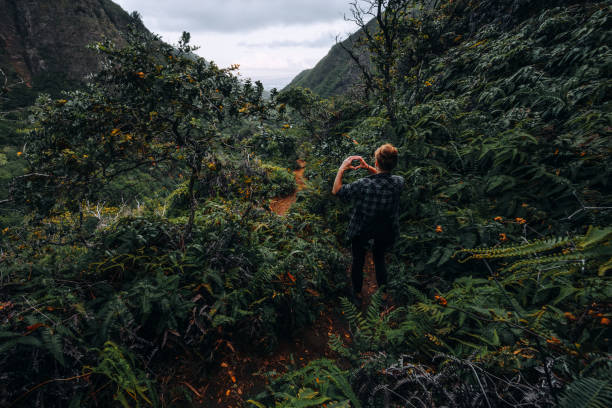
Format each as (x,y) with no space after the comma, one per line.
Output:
(351,313)
(337,344)
(514,250)
(594,236)
(588,393)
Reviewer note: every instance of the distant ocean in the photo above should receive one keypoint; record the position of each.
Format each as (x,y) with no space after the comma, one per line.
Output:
(271,81)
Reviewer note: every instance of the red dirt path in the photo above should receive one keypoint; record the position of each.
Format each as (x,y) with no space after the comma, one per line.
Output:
(281,205)
(240,372)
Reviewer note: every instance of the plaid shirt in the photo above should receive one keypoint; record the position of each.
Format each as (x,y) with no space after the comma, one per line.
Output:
(374,195)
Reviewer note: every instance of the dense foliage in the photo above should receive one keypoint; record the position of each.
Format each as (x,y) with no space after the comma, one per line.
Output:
(147,235)
(103,284)
(503,126)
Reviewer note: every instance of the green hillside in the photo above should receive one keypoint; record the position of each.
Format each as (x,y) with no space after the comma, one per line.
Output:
(145,261)
(334,75)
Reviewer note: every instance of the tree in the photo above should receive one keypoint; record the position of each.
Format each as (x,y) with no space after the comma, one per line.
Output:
(380,23)
(152,107)
(394,37)
(313,110)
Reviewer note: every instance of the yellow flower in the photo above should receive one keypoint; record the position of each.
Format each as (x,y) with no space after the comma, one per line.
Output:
(19,153)
(521,220)
(427,83)
(439,228)
(115,131)
(498,219)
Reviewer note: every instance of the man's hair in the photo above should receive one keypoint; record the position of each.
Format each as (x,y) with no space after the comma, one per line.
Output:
(386,156)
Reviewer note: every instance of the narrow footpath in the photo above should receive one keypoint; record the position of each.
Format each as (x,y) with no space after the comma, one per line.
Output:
(280,205)
(243,372)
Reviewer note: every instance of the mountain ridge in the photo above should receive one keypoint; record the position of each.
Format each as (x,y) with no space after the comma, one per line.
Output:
(43,43)
(335,73)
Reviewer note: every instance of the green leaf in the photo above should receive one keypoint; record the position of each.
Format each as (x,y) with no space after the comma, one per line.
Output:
(603,268)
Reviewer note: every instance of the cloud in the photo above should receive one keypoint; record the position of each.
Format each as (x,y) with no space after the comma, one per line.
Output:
(322,41)
(234,15)
(272,40)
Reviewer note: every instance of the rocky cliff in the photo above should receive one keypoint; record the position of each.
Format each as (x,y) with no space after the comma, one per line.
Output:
(45,39)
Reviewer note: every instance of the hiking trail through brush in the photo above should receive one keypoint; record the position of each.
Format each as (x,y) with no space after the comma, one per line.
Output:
(281,205)
(241,372)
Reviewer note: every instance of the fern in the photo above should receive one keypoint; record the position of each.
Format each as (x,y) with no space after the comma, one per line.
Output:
(321,380)
(593,245)
(352,314)
(120,370)
(337,344)
(514,250)
(588,393)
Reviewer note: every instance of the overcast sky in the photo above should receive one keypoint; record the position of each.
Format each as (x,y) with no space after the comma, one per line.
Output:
(272,40)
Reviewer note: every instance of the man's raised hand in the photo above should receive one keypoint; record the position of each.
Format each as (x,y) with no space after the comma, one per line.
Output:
(362,164)
(347,164)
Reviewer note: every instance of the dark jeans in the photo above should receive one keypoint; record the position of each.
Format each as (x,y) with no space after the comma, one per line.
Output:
(383,240)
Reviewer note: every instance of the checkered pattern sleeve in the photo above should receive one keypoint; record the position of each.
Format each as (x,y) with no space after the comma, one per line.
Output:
(348,192)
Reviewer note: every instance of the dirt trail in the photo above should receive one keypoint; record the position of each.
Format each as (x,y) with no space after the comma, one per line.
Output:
(240,372)
(281,205)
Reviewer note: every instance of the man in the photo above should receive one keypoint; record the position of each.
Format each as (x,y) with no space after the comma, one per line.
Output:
(375,215)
